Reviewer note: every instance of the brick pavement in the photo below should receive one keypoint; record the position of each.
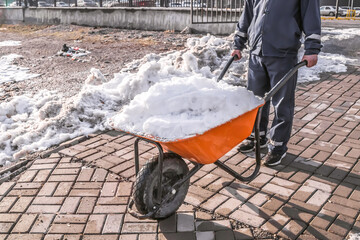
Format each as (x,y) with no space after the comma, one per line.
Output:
(82,191)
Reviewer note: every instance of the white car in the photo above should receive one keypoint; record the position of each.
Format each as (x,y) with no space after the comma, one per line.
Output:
(87,3)
(357,10)
(44,4)
(62,4)
(331,11)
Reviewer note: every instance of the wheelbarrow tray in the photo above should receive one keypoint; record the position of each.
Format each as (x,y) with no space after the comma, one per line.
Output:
(211,145)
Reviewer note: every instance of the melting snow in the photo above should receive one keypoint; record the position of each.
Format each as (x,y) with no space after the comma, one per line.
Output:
(9,72)
(354,236)
(10,43)
(339,34)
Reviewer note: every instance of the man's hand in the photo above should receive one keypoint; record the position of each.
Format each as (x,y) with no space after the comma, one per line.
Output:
(237,53)
(311,60)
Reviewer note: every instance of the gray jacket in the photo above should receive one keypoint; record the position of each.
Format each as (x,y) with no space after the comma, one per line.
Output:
(274,27)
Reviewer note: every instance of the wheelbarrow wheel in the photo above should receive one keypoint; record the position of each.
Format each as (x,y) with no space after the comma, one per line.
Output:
(147,181)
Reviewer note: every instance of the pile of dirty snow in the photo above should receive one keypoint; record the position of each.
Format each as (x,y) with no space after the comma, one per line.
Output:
(35,122)
(182,107)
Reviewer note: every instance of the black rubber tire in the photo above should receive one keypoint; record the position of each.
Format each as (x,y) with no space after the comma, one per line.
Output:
(140,184)
(331,14)
(145,189)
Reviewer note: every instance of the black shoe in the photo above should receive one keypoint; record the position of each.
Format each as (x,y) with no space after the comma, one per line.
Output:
(248,145)
(273,159)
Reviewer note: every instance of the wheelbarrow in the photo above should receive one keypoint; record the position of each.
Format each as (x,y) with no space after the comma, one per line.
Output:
(162,183)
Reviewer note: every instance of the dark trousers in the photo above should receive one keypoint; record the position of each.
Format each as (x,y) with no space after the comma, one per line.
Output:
(263,74)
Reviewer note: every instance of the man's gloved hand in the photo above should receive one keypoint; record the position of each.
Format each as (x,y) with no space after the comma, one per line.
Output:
(237,53)
(311,60)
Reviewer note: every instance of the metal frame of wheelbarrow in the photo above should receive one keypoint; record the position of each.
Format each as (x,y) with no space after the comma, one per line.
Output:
(220,164)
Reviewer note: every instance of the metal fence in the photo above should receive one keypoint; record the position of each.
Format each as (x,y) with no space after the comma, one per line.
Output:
(216,11)
(202,11)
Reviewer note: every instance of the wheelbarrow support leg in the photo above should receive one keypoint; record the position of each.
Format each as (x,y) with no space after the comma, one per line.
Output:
(160,161)
(257,155)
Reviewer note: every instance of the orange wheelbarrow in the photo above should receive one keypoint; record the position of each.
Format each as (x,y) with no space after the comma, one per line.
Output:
(162,183)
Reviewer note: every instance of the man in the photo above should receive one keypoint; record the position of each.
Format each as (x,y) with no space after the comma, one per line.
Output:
(273,29)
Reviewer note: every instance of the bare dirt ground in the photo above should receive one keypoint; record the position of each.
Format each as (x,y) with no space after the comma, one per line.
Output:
(110,50)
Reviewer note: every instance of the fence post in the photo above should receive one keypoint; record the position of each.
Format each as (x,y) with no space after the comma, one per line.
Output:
(101,3)
(54,3)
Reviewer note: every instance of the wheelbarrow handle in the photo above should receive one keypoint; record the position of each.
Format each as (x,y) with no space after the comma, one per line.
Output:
(284,80)
(226,67)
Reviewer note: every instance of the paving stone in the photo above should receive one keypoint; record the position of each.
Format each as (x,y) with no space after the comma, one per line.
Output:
(217,225)
(42,176)
(293,229)
(67,228)
(84,192)
(42,223)
(259,199)
(24,223)
(48,200)
(304,193)
(63,189)
(70,204)
(323,219)
(185,222)
(224,234)
(168,225)
(42,166)
(95,224)
(5,227)
(99,175)
(70,218)
(147,236)
(205,235)
(212,203)
(319,233)
(278,190)
(274,203)
(275,223)
(25,237)
(296,214)
(110,209)
(300,177)
(228,207)
(345,202)
(128,237)
(139,227)
(23,192)
(85,174)
(261,180)
(319,198)
(27,176)
(238,194)
(48,189)
(340,209)
(6,203)
(342,225)
(21,204)
(109,189)
(113,223)
(319,185)
(29,185)
(43,208)
(243,234)
(9,217)
(247,218)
